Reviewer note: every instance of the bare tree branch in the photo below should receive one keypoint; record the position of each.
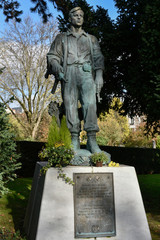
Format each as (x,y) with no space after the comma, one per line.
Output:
(23,50)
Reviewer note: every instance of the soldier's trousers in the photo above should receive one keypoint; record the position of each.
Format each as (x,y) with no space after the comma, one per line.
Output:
(80,86)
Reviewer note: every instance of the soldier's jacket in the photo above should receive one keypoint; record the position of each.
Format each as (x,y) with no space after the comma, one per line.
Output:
(69,49)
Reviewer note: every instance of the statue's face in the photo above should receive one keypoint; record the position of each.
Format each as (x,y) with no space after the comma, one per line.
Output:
(76,18)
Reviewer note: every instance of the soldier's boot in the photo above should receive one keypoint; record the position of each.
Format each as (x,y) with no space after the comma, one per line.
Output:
(75,141)
(92,145)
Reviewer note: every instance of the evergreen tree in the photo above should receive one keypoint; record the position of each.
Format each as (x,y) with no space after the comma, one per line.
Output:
(150,61)
(58,135)
(8,155)
(138,31)
(53,134)
(65,133)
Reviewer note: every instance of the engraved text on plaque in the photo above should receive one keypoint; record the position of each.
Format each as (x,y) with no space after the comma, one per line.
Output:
(94,205)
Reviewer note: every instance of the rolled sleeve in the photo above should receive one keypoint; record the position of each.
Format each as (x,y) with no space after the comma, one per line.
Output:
(55,54)
(97,54)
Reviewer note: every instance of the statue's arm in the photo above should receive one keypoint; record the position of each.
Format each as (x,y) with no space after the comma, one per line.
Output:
(99,80)
(54,57)
(98,64)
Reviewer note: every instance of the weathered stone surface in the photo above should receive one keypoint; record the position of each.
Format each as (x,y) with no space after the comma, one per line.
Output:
(55,214)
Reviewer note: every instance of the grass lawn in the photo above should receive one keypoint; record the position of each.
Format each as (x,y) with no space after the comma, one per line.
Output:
(12,209)
(150,189)
(13,206)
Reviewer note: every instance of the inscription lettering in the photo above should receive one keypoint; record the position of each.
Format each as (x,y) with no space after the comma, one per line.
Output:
(94,205)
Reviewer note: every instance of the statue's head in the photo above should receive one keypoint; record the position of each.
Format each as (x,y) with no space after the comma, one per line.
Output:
(76,16)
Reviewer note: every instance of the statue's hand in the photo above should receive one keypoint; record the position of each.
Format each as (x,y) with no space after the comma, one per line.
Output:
(61,74)
(99,83)
(99,80)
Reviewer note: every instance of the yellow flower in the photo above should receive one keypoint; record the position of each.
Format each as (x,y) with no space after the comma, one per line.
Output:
(58,144)
(113,164)
(110,164)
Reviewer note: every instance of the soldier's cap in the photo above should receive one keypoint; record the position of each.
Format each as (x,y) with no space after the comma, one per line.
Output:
(74,10)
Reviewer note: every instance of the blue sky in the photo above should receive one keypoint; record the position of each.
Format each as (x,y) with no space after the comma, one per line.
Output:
(107,4)
(27,4)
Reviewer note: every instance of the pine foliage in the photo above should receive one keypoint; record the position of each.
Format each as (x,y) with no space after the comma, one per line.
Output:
(64,133)
(8,155)
(53,135)
(58,134)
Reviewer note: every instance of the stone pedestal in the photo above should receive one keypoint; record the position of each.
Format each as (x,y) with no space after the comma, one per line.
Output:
(50,212)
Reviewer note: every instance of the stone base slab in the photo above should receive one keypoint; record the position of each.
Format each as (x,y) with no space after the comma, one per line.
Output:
(50,212)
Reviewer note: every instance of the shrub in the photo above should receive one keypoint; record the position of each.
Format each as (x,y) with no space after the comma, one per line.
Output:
(58,151)
(138,138)
(65,135)
(58,156)
(100,157)
(113,128)
(8,155)
(158,142)
(58,135)
(7,235)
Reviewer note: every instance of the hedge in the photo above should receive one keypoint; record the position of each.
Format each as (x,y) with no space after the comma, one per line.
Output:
(145,160)
(29,156)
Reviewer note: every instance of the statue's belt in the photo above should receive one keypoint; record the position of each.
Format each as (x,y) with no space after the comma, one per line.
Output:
(87,67)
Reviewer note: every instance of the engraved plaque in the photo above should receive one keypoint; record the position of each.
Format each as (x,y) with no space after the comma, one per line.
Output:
(94,205)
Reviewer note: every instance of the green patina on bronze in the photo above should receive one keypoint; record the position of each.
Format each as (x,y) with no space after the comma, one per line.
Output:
(76,60)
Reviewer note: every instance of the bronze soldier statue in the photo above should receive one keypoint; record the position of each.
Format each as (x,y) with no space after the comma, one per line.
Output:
(76,60)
